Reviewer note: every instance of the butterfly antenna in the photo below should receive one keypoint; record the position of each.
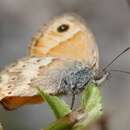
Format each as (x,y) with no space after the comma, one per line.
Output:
(122,71)
(104,69)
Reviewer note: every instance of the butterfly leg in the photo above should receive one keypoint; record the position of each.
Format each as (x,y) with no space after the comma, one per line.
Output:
(73,100)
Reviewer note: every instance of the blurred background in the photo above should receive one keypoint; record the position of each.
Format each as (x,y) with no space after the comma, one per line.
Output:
(110,22)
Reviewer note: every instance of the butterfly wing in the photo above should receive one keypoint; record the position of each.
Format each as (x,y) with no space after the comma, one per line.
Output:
(15,82)
(52,75)
(77,42)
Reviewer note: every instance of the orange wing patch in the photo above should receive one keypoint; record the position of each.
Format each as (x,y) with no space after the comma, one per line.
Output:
(66,37)
(13,102)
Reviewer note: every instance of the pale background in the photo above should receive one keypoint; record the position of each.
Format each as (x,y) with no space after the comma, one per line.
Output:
(109,21)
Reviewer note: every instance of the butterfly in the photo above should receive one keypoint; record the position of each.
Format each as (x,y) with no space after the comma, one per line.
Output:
(63,58)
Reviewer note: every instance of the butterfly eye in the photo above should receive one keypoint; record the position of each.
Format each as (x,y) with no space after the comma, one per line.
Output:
(63,28)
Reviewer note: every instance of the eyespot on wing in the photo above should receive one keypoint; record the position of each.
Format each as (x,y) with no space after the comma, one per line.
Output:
(75,38)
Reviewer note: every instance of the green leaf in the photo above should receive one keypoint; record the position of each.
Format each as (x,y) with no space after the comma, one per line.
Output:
(58,106)
(91,103)
(59,125)
(64,123)
(91,110)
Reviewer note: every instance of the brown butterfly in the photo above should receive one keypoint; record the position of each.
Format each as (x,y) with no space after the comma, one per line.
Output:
(63,58)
